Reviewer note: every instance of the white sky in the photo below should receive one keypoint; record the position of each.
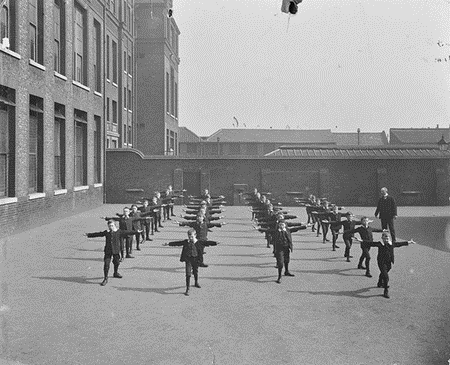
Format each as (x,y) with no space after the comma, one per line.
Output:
(341,64)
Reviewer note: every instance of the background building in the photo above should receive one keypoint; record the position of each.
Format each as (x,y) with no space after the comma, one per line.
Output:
(54,101)
(157,78)
(258,142)
(418,136)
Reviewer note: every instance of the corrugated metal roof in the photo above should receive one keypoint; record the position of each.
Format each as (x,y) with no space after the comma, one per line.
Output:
(272,135)
(360,152)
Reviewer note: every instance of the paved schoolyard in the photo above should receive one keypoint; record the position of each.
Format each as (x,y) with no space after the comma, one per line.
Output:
(53,310)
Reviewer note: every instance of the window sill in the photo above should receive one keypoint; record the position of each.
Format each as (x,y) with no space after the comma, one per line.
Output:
(98,94)
(60,192)
(130,75)
(60,76)
(98,185)
(114,84)
(4,201)
(81,86)
(80,188)
(37,65)
(36,196)
(130,111)
(108,80)
(11,53)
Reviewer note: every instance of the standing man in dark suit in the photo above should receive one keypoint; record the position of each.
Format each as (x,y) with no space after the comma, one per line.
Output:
(387,210)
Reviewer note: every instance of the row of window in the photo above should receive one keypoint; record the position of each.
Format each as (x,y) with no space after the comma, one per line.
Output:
(171,93)
(80,40)
(36,142)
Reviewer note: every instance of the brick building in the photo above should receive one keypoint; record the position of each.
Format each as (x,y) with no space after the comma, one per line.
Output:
(55,100)
(157,78)
(258,142)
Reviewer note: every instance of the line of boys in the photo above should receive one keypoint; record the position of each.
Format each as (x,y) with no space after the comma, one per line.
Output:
(385,257)
(136,222)
(282,239)
(199,214)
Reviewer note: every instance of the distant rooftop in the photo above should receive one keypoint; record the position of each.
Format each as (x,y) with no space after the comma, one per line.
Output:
(272,135)
(365,139)
(418,135)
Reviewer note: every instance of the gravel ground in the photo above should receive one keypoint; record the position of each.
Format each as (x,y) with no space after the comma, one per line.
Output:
(53,310)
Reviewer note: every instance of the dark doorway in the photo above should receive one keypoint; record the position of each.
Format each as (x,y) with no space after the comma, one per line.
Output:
(238,198)
(191,182)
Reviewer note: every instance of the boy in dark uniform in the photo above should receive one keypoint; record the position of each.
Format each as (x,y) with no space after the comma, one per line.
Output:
(148,224)
(365,233)
(282,242)
(201,227)
(348,224)
(385,258)
(113,237)
(189,255)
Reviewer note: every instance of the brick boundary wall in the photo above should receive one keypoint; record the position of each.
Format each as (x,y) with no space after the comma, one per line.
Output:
(349,182)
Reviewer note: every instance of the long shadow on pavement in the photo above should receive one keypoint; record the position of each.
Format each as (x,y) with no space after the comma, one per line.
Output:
(162,291)
(73,279)
(346,293)
(79,258)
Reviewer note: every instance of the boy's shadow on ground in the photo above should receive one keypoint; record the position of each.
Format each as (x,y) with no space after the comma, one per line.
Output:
(73,279)
(345,293)
(161,291)
(79,258)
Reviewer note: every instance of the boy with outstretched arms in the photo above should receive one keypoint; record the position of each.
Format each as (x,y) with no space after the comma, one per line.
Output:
(189,255)
(113,239)
(385,258)
(366,234)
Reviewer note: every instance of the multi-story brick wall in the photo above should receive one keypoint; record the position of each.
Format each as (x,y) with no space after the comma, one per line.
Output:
(66,93)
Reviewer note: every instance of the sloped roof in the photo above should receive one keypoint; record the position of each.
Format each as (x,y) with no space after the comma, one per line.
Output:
(186,135)
(365,139)
(272,135)
(363,152)
(419,135)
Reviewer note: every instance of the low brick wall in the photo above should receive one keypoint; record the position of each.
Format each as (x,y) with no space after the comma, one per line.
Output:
(130,175)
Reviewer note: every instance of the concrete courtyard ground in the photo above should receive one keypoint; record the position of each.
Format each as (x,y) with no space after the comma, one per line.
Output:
(53,310)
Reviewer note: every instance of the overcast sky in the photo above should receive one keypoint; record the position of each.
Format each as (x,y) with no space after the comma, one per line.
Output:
(338,64)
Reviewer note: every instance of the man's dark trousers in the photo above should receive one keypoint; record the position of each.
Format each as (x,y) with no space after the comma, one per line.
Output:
(388,223)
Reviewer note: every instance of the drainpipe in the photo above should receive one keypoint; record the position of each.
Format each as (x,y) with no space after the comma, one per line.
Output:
(359,131)
(104,103)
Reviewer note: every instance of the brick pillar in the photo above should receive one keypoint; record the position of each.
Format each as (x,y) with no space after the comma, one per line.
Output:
(324,184)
